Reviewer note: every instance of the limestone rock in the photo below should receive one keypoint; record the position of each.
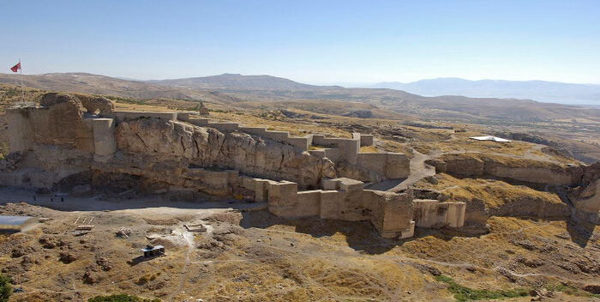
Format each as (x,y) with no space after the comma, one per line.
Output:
(208,147)
(97,105)
(66,257)
(506,167)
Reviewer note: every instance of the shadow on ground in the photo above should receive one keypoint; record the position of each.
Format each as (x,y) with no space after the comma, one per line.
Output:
(580,232)
(360,235)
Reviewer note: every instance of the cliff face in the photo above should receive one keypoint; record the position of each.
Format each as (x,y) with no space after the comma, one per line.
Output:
(207,147)
(581,182)
(505,167)
(586,197)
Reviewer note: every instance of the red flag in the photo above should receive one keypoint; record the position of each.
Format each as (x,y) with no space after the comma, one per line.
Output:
(16,67)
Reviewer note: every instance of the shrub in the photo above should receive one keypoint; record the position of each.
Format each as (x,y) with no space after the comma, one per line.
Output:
(5,288)
(463,293)
(120,298)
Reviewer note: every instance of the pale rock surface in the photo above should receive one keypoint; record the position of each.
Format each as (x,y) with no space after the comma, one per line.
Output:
(208,147)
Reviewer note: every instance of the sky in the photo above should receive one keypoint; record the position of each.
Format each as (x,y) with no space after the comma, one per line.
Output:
(319,42)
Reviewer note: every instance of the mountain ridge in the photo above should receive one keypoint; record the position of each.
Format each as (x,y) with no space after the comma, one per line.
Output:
(238,82)
(545,91)
(229,88)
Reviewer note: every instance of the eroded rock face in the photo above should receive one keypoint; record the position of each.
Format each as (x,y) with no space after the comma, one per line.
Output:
(208,147)
(586,197)
(97,105)
(521,170)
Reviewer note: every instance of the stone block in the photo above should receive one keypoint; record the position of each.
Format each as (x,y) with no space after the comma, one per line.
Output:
(435,214)
(278,136)
(333,154)
(130,115)
(397,165)
(301,143)
(282,198)
(224,126)
(342,184)
(261,189)
(390,213)
(186,116)
(329,184)
(409,232)
(254,130)
(317,153)
(456,214)
(20,132)
(429,213)
(104,138)
(330,204)
(309,203)
(200,122)
(366,140)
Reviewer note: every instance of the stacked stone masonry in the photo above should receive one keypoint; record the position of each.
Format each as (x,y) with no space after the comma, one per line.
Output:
(180,152)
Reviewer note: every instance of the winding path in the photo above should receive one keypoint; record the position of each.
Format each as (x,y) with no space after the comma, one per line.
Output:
(418,170)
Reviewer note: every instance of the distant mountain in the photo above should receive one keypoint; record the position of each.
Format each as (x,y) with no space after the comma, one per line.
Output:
(273,91)
(230,81)
(536,90)
(99,84)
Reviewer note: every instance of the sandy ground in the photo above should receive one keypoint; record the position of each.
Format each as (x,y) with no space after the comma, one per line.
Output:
(99,203)
(246,254)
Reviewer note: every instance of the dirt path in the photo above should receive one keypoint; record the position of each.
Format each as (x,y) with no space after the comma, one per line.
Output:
(189,239)
(418,170)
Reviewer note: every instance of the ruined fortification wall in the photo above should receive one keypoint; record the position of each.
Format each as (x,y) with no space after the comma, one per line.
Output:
(133,115)
(341,199)
(367,166)
(433,213)
(68,142)
(365,139)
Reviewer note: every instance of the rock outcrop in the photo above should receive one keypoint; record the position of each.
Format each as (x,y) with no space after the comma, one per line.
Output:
(504,167)
(208,147)
(586,197)
(82,146)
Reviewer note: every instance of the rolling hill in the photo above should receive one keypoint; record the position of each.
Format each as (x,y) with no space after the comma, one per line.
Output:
(544,91)
(237,82)
(233,88)
(99,84)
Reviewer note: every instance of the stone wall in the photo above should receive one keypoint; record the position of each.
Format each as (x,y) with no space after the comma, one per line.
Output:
(435,214)
(344,199)
(365,139)
(58,121)
(390,165)
(65,139)
(132,115)
(365,166)
(104,138)
(346,149)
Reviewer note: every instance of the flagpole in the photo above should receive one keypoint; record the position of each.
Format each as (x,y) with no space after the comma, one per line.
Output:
(22,86)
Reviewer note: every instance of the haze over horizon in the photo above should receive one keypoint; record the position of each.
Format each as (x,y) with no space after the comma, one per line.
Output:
(309,42)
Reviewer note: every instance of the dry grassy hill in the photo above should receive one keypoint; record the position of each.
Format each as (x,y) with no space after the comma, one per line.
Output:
(268,88)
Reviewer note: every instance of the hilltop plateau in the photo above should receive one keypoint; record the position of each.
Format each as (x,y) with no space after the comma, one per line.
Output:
(190,160)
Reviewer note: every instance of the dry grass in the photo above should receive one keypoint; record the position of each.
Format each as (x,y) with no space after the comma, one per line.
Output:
(494,193)
(369,149)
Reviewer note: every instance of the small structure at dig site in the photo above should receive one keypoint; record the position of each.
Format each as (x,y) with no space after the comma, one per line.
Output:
(151,251)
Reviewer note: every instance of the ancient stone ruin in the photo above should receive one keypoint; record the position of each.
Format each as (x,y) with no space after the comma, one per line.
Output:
(78,144)
(81,144)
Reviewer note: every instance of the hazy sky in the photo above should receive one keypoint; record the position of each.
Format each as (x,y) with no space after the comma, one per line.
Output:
(309,41)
